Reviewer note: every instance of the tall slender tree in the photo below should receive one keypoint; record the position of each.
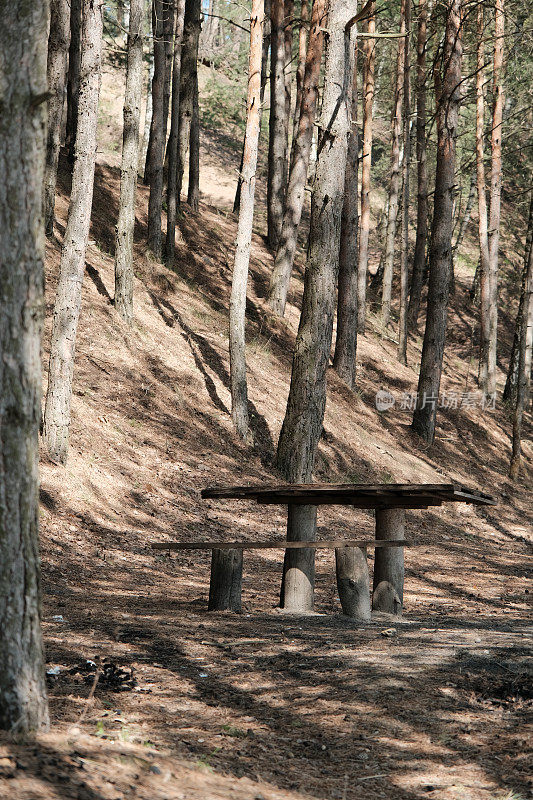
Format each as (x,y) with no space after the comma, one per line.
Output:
(302,52)
(58,44)
(130,160)
(419,258)
(281,274)
(404,259)
(394,190)
(277,145)
(188,84)
(495,191)
(369,51)
(68,300)
(483,227)
(193,188)
(154,157)
(73,80)
(304,416)
(237,345)
(346,338)
(23,703)
(447,97)
(172,147)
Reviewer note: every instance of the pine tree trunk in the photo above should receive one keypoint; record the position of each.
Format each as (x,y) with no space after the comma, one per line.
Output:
(73,80)
(346,339)
(369,50)
(130,160)
(23,45)
(447,94)
(156,144)
(193,189)
(58,44)
(143,157)
(68,300)
(277,146)
(419,258)
(304,416)
(495,193)
(404,260)
(394,193)
(302,53)
(281,274)
(188,82)
(172,147)
(239,392)
(524,365)
(465,218)
(511,384)
(484,266)
(169,23)
(288,35)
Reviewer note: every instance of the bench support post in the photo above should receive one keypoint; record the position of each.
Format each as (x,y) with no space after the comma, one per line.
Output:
(389,562)
(298,582)
(353,582)
(226,581)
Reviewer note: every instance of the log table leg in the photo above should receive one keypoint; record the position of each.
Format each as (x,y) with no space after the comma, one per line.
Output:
(226,581)
(298,582)
(387,593)
(353,582)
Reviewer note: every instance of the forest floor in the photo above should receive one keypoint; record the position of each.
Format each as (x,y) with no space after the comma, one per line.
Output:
(265,705)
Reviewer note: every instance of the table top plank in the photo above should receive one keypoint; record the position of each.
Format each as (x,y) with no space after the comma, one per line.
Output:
(405,495)
(323,544)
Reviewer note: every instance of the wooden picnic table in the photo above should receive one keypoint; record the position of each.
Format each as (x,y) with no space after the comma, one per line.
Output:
(297,591)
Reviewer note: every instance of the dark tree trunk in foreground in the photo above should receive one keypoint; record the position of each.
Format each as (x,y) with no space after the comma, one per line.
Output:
(495,192)
(73,81)
(524,365)
(302,53)
(23,704)
(346,339)
(154,158)
(369,49)
(172,147)
(447,94)
(128,172)
(193,189)
(304,416)
(277,145)
(58,43)
(288,36)
(169,22)
(511,384)
(281,274)
(404,258)
(419,258)
(394,191)
(237,345)
(483,227)
(188,84)
(68,300)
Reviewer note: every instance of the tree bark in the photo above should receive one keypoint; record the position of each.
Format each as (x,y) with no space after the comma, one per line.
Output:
(188,82)
(172,147)
(346,338)
(23,45)
(447,95)
(169,23)
(484,265)
(353,583)
(524,365)
(404,260)
(465,218)
(511,384)
(304,416)
(237,344)
(388,262)
(302,53)
(419,258)
(225,589)
(154,157)
(298,580)
(495,193)
(387,594)
(73,80)
(369,50)
(281,274)
(68,300)
(58,44)
(144,155)
(277,145)
(130,159)
(288,35)
(193,189)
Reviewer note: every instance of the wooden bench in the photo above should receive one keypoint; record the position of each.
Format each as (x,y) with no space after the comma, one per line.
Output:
(297,591)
